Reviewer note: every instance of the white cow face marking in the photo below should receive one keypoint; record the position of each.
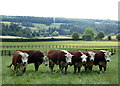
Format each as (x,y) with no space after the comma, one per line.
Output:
(84,57)
(92,55)
(68,56)
(107,55)
(45,60)
(24,57)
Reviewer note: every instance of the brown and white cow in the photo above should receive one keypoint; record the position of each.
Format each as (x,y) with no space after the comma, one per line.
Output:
(90,59)
(78,59)
(59,57)
(36,57)
(19,61)
(101,58)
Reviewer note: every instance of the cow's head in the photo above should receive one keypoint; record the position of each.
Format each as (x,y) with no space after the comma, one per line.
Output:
(24,57)
(92,55)
(45,60)
(83,57)
(68,56)
(107,55)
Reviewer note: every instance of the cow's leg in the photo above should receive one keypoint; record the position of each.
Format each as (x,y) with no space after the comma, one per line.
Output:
(24,70)
(61,68)
(90,68)
(79,68)
(51,65)
(105,68)
(86,68)
(75,69)
(66,69)
(10,65)
(100,68)
(36,66)
(16,69)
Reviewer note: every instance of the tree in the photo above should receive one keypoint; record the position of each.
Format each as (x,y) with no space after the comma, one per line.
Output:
(112,34)
(89,31)
(118,36)
(87,37)
(76,28)
(100,35)
(55,33)
(109,37)
(75,35)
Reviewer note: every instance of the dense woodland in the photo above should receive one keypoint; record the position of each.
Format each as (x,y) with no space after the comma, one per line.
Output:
(67,26)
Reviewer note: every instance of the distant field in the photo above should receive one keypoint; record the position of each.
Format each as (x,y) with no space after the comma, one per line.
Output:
(44,77)
(45,45)
(8,37)
(78,43)
(39,26)
(112,37)
(5,22)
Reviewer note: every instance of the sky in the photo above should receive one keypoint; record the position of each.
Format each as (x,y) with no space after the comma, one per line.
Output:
(85,9)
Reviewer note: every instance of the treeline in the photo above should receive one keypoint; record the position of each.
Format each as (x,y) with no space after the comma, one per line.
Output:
(80,27)
(67,26)
(41,20)
(15,30)
(29,19)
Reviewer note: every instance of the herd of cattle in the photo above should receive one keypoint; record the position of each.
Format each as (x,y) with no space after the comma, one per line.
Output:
(63,58)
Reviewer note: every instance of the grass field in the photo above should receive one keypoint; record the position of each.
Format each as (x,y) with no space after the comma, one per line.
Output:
(44,77)
(66,43)
(80,43)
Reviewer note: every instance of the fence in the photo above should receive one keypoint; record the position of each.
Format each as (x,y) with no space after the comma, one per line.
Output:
(112,49)
(55,46)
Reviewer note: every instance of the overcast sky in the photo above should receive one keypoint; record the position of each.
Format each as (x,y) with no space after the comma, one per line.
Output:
(87,9)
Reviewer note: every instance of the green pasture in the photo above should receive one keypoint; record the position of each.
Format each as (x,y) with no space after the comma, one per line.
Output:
(77,43)
(41,26)
(62,43)
(44,77)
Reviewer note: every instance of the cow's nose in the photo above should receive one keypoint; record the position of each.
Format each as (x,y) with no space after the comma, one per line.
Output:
(25,63)
(69,63)
(92,59)
(84,61)
(45,64)
(108,60)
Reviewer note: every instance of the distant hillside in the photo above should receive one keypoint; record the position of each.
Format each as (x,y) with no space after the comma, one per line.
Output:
(47,26)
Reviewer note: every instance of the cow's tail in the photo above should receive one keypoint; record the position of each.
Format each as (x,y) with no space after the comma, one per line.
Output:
(10,65)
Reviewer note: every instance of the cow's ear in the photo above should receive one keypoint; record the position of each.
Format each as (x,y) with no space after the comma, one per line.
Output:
(26,54)
(66,55)
(22,54)
(112,53)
